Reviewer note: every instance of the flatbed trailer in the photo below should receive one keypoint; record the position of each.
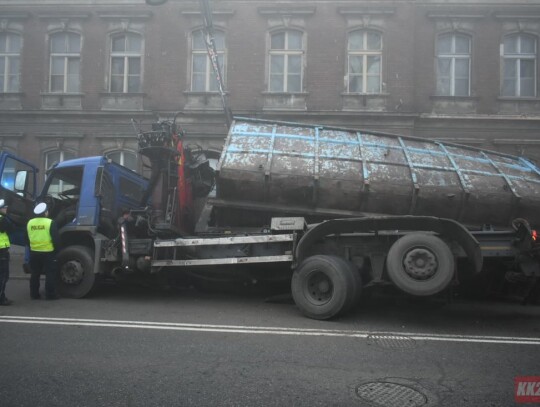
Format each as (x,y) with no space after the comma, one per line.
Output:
(330,263)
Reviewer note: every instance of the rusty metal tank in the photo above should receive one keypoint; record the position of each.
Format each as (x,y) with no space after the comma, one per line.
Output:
(310,170)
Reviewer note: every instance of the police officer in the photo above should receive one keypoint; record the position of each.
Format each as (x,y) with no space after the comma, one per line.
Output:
(43,240)
(5,227)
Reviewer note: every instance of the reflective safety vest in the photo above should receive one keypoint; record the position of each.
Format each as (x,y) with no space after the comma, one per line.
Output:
(39,234)
(4,238)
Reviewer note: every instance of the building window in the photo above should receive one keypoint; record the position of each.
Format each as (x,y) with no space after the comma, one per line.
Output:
(57,156)
(126,55)
(286,61)
(453,65)
(65,51)
(51,158)
(10,49)
(203,78)
(364,51)
(519,65)
(126,158)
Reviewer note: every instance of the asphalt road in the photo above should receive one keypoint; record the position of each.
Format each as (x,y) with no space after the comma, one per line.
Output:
(133,346)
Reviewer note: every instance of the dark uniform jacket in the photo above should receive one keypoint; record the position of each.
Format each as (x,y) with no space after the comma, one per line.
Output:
(5,224)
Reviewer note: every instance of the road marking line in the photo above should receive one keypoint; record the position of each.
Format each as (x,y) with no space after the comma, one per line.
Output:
(268,330)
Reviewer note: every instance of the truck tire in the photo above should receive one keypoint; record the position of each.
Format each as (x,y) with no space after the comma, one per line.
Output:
(357,285)
(323,286)
(76,272)
(420,264)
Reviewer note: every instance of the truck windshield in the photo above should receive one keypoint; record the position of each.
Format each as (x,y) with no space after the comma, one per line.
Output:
(65,183)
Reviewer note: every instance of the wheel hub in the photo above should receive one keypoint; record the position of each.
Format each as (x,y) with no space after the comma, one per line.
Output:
(319,288)
(72,272)
(323,286)
(420,264)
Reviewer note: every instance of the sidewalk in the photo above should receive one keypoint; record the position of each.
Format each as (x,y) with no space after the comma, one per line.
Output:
(16,271)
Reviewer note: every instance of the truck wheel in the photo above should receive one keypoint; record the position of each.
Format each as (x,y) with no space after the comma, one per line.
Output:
(420,264)
(323,286)
(76,272)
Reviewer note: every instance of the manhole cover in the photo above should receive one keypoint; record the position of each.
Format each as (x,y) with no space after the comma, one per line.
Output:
(389,394)
(392,341)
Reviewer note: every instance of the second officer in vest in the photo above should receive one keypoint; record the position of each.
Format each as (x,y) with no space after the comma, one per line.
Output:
(44,241)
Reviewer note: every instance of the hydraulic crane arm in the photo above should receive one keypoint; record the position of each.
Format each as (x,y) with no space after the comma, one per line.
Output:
(213,55)
(206,13)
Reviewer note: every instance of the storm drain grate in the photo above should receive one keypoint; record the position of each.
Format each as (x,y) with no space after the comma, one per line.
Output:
(391,394)
(392,341)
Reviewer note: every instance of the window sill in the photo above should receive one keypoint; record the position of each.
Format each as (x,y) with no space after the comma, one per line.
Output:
(203,101)
(444,104)
(285,100)
(454,98)
(11,100)
(63,101)
(122,101)
(518,99)
(195,92)
(519,105)
(266,93)
(123,93)
(365,94)
(361,102)
(63,93)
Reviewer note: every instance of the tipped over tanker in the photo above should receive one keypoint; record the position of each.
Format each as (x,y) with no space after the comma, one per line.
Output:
(321,172)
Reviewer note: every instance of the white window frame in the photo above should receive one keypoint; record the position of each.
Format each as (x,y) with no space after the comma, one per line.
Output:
(210,81)
(365,54)
(62,158)
(518,57)
(453,56)
(67,56)
(9,56)
(126,55)
(122,157)
(286,53)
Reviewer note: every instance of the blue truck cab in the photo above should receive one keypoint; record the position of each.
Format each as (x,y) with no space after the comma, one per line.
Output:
(89,194)
(86,196)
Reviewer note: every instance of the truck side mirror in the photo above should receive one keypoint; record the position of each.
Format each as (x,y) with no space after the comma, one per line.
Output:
(20,181)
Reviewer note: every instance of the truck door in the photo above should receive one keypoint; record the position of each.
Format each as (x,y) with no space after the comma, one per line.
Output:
(118,189)
(105,192)
(18,189)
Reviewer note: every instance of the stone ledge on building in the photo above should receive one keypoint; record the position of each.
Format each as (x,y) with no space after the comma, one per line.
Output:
(11,100)
(358,102)
(454,104)
(122,101)
(285,101)
(61,101)
(519,105)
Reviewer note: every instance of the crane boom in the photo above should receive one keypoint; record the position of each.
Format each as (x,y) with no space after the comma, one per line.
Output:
(210,42)
(213,55)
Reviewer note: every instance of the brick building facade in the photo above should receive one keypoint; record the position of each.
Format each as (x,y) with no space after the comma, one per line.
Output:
(74,73)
